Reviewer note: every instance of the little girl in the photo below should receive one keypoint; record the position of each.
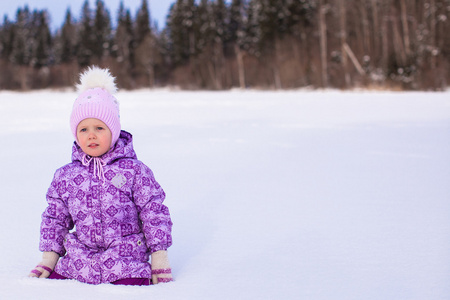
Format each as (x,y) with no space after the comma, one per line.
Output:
(105,214)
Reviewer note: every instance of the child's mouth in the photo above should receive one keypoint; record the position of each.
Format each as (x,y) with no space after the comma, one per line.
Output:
(93,146)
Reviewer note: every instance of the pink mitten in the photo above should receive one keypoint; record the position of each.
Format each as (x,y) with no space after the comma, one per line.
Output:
(46,266)
(161,271)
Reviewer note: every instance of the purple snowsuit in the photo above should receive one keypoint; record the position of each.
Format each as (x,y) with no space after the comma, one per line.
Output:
(118,220)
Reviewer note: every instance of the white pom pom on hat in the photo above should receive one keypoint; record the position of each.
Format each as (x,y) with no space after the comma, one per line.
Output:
(95,77)
(96,100)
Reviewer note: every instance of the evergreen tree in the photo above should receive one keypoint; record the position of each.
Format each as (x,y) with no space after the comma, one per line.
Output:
(43,41)
(6,38)
(272,19)
(204,27)
(124,36)
(253,30)
(87,40)
(236,36)
(164,45)
(220,35)
(220,17)
(236,25)
(102,31)
(2,38)
(143,22)
(181,30)
(22,42)
(123,49)
(145,47)
(300,15)
(67,39)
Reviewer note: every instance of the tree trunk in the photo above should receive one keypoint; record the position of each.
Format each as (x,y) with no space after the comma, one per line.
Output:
(151,75)
(220,65)
(404,17)
(240,65)
(323,42)
(384,38)
(353,58)
(399,48)
(23,78)
(300,80)
(376,30)
(433,22)
(365,28)
(306,59)
(212,73)
(343,23)
(276,65)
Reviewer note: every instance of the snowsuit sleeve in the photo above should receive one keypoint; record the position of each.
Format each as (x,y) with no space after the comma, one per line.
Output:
(154,215)
(56,220)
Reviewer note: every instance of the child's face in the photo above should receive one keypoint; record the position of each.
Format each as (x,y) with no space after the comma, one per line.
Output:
(94,137)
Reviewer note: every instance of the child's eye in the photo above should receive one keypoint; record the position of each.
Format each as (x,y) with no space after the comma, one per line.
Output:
(99,128)
(83,130)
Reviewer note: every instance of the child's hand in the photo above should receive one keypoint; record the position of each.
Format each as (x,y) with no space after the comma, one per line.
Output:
(40,271)
(46,266)
(161,271)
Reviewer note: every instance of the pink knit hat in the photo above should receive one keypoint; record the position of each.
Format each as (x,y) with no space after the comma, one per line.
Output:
(96,101)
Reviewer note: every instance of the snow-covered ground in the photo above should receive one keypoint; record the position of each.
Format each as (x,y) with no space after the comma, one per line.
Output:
(273,195)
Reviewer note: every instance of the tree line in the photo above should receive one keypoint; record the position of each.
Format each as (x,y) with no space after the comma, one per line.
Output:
(217,44)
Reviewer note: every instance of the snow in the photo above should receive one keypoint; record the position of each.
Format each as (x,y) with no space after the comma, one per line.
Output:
(273,195)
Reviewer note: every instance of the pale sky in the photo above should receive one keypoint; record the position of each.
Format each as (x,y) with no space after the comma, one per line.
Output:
(57,9)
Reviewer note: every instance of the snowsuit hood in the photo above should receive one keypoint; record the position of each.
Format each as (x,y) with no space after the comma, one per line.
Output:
(105,226)
(122,149)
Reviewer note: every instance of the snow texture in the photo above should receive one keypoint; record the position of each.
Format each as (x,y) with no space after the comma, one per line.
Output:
(273,195)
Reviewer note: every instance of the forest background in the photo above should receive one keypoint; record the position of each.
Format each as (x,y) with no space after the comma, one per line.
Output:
(217,45)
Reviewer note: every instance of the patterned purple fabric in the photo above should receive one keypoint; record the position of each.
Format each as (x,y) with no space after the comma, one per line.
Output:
(105,231)
(126,281)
